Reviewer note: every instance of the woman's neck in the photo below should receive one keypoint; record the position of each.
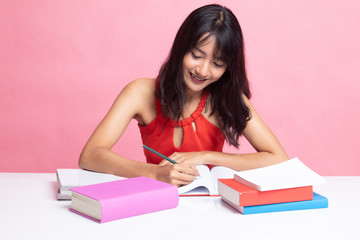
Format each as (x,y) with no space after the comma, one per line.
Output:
(193,96)
(191,104)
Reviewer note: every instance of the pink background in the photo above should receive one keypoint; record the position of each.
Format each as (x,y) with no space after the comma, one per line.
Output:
(62,63)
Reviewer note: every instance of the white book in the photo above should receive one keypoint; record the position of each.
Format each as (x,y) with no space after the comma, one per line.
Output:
(289,174)
(69,178)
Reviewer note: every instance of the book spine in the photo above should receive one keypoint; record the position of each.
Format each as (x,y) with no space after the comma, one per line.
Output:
(242,195)
(317,202)
(278,196)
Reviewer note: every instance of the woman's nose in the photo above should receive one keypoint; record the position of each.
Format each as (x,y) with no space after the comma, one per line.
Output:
(202,69)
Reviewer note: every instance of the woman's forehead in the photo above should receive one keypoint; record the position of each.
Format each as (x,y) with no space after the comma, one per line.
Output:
(209,39)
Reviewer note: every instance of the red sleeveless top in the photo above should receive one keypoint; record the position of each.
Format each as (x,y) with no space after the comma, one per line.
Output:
(159,134)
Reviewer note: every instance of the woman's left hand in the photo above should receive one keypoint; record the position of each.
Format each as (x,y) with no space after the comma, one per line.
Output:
(189,158)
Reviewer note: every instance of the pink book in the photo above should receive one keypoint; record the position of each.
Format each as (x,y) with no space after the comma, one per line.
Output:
(114,200)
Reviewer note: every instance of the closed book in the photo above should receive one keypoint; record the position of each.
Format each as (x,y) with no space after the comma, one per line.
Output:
(114,200)
(70,178)
(289,174)
(318,201)
(242,195)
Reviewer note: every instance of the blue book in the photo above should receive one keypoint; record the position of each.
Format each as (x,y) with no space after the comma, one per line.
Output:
(318,201)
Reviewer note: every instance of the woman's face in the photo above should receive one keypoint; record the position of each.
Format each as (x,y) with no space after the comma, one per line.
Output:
(201,67)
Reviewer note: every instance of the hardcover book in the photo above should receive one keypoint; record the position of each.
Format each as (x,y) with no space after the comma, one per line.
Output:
(242,195)
(318,201)
(114,200)
(70,178)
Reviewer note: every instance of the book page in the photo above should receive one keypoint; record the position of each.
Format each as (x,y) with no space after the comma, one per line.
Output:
(221,172)
(202,185)
(289,174)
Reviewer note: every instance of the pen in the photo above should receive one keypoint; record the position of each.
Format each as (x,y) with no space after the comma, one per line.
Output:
(159,154)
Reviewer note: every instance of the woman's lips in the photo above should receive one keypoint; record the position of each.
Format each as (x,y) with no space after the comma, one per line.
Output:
(197,78)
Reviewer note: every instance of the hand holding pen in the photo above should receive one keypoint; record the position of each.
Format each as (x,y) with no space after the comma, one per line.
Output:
(172,172)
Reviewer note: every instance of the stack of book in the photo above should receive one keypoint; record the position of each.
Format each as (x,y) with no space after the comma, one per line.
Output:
(280,187)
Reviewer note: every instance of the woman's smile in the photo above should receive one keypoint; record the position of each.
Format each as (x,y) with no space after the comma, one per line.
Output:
(197,78)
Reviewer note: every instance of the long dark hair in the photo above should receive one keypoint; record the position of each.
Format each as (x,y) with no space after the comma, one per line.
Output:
(227,93)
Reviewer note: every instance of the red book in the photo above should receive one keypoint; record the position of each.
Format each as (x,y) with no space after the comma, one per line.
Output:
(242,195)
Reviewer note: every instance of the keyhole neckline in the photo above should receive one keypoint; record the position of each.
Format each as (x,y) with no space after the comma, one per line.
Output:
(184,122)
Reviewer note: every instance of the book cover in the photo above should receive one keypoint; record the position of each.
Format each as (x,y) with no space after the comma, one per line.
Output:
(318,201)
(289,174)
(114,200)
(242,195)
(70,178)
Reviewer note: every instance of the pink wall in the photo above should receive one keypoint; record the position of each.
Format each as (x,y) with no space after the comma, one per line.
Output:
(62,63)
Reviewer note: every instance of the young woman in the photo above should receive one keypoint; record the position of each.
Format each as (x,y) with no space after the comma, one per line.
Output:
(199,100)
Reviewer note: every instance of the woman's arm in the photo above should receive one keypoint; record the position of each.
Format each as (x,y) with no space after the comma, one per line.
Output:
(136,101)
(269,150)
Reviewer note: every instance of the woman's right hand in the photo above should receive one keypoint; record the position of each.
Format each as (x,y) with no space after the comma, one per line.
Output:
(176,174)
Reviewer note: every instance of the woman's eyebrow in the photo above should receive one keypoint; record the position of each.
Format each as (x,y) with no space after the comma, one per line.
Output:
(204,53)
(219,59)
(201,51)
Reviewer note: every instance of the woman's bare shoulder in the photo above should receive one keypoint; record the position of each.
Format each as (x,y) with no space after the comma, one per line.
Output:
(143,84)
(138,97)
(141,89)
(137,92)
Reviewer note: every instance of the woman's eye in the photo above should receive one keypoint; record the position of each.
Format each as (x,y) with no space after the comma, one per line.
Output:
(219,64)
(194,55)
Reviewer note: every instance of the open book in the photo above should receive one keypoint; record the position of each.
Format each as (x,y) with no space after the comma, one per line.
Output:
(204,185)
(207,183)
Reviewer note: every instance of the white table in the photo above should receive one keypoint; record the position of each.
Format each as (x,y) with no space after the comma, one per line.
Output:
(29,210)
